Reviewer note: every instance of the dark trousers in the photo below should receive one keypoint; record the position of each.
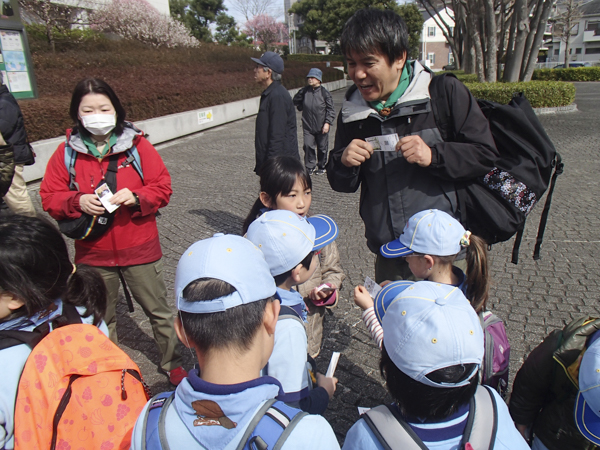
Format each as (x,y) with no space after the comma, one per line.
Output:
(315,142)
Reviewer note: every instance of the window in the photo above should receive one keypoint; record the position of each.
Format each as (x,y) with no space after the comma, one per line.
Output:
(431,31)
(575,30)
(431,58)
(593,25)
(578,51)
(592,51)
(556,51)
(451,31)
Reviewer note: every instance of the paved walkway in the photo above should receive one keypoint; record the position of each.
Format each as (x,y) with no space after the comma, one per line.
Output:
(214,188)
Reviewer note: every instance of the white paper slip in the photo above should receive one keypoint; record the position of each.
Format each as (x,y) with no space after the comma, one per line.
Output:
(362,410)
(372,287)
(385,143)
(104,194)
(335,357)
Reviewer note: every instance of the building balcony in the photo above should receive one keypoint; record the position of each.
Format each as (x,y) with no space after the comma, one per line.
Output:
(591,36)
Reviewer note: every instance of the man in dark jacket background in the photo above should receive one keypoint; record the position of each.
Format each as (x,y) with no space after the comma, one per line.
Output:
(12,128)
(318,114)
(276,120)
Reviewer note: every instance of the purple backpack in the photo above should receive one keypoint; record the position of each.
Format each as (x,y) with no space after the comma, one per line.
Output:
(497,353)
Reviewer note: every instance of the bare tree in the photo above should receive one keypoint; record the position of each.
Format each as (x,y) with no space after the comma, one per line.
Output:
(252,8)
(454,30)
(60,16)
(566,21)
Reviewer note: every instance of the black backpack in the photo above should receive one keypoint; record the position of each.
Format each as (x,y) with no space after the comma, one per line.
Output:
(496,205)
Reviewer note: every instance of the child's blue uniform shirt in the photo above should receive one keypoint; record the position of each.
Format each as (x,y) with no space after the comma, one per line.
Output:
(444,435)
(239,402)
(288,362)
(294,300)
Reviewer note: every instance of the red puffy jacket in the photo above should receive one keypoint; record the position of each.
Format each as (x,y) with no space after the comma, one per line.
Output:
(133,237)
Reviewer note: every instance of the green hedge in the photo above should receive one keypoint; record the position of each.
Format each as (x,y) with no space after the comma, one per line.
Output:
(461,75)
(304,57)
(539,93)
(571,74)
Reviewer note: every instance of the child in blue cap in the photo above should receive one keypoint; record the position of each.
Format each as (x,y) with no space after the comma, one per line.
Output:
(430,242)
(227,315)
(290,244)
(430,359)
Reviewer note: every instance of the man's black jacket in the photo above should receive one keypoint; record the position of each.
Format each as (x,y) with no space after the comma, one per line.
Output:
(275,125)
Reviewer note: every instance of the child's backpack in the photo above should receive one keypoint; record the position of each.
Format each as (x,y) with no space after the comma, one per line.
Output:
(496,205)
(268,429)
(394,433)
(78,390)
(497,353)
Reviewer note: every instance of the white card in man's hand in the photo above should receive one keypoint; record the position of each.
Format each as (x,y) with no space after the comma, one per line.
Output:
(386,143)
(372,287)
(335,357)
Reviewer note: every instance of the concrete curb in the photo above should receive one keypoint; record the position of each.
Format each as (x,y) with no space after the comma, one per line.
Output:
(556,109)
(167,128)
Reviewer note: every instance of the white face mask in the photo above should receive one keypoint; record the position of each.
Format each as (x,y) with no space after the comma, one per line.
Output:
(99,124)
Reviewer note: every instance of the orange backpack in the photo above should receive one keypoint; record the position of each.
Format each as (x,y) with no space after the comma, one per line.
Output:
(78,391)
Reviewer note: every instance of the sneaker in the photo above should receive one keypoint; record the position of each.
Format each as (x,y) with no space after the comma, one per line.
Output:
(320,172)
(177,375)
(312,171)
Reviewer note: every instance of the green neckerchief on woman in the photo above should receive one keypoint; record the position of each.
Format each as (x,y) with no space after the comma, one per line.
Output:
(405,78)
(93,148)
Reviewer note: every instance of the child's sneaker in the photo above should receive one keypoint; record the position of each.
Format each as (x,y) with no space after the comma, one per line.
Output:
(177,375)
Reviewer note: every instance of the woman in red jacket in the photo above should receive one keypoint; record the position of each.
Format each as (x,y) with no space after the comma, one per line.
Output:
(131,244)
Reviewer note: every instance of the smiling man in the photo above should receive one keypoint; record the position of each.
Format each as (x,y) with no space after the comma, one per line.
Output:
(276,120)
(387,141)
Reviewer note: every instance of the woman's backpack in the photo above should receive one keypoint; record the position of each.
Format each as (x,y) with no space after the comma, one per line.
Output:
(496,205)
(78,390)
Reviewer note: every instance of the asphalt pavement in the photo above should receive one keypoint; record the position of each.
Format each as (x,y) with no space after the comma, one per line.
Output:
(214,188)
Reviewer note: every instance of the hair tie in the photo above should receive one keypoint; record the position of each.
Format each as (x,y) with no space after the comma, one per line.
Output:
(75,268)
(465,240)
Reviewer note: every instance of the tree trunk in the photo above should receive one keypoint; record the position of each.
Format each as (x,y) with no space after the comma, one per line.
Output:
(473,16)
(513,65)
(490,41)
(49,25)
(537,41)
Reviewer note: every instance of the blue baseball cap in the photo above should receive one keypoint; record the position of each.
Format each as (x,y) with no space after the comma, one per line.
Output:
(387,295)
(287,238)
(315,73)
(430,232)
(430,326)
(587,406)
(326,230)
(228,258)
(271,60)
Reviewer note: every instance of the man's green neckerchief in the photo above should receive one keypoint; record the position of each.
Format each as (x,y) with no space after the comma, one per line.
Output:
(387,106)
(91,146)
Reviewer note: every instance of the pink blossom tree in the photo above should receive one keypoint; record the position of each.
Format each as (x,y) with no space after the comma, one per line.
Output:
(138,20)
(266,32)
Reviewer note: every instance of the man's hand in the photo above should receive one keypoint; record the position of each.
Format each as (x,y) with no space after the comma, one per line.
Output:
(90,204)
(414,150)
(325,129)
(123,197)
(357,152)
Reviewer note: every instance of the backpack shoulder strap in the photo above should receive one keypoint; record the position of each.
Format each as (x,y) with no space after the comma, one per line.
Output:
(440,106)
(70,158)
(271,426)
(133,158)
(288,313)
(480,431)
(154,431)
(391,430)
